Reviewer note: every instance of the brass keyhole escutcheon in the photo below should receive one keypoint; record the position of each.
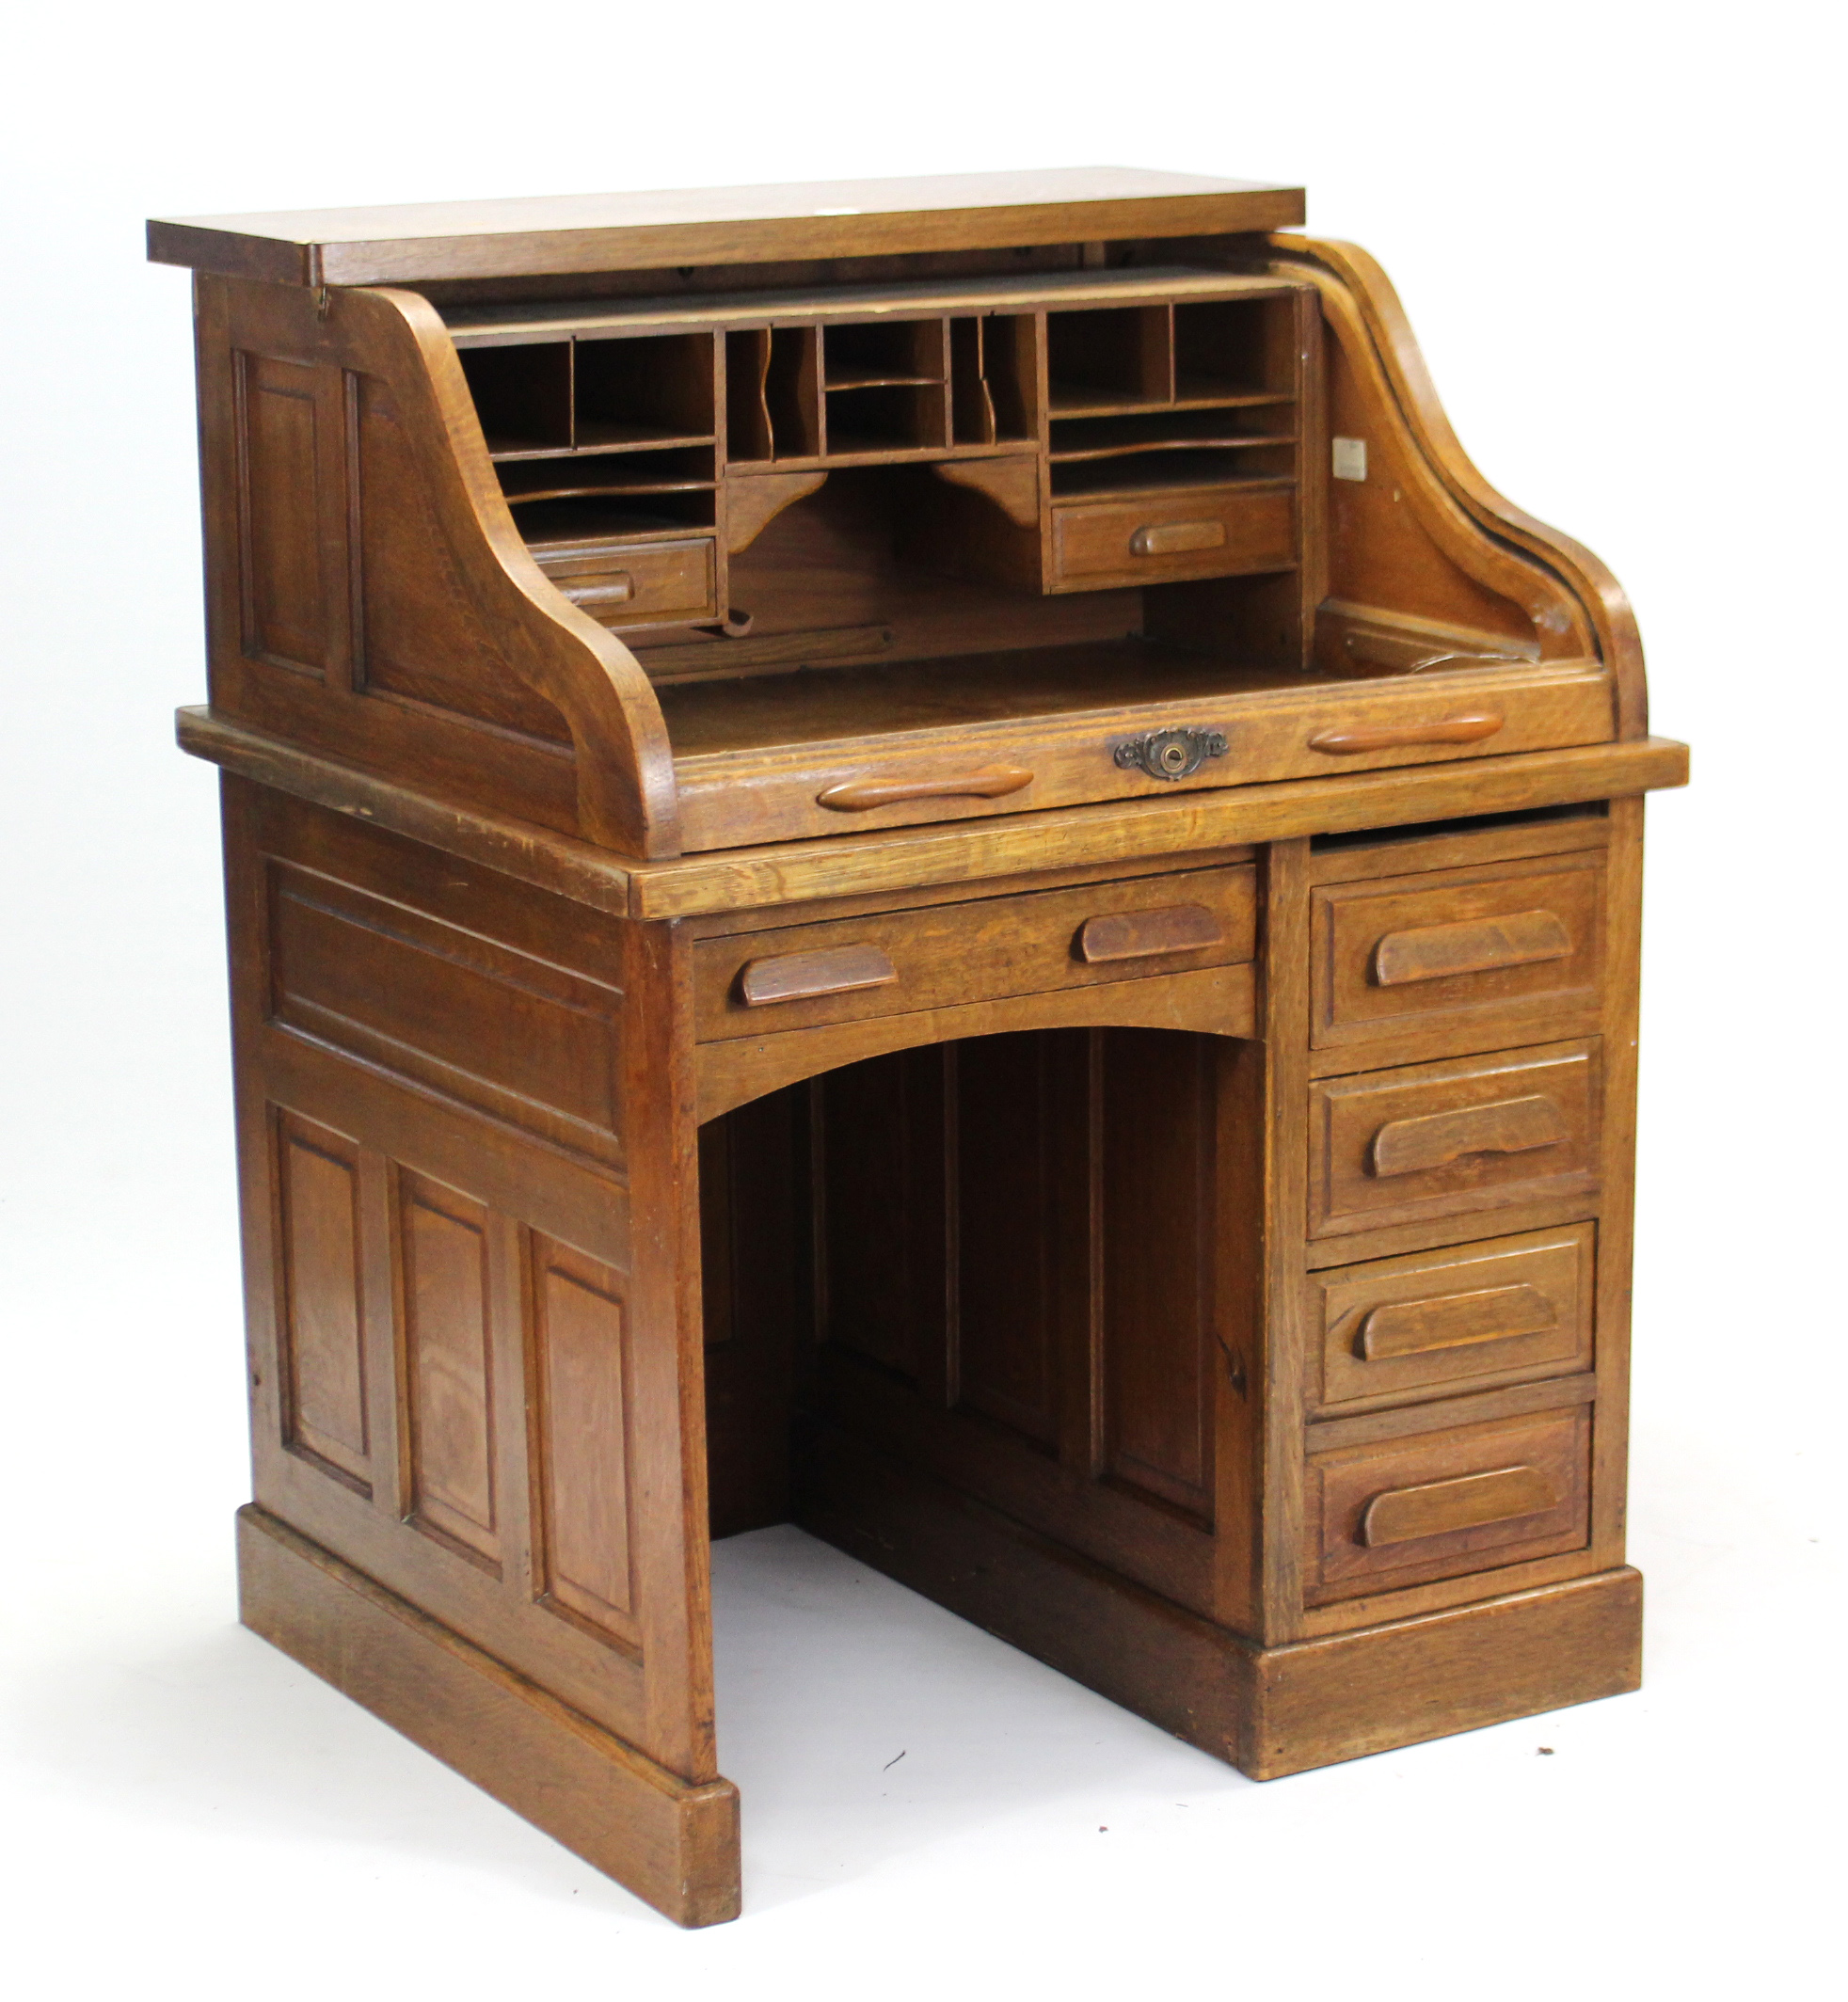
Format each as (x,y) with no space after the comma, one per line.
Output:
(1171,754)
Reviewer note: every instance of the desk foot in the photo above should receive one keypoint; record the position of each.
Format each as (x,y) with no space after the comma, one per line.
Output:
(670,1842)
(1268,1710)
(1318,1702)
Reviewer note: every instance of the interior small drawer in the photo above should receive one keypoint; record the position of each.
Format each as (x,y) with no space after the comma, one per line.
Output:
(1468,1317)
(1204,532)
(1439,1505)
(1439,1139)
(798,975)
(1457,950)
(655,583)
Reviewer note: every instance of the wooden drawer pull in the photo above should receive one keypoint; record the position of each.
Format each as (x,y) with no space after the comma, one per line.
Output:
(1144,935)
(1177,539)
(1439,1508)
(1390,736)
(993,782)
(1434,952)
(1415,1327)
(804,975)
(615,589)
(1410,1147)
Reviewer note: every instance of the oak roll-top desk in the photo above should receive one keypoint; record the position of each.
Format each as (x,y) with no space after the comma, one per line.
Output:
(919,857)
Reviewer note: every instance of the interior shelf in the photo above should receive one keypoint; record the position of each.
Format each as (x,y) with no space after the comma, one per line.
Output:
(1108,437)
(1065,399)
(548,524)
(1160,473)
(638,472)
(873,379)
(1090,453)
(612,436)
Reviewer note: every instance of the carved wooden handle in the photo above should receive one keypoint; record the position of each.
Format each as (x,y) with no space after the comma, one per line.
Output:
(1440,1507)
(1143,934)
(1457,1320)
(615,589)
(1176,538)
(1434,952)
(993,782)
(1408,1147)
(802,975)
(1388,736)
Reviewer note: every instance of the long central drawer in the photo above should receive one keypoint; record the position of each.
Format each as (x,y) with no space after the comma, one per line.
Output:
(839,754)
(800,975)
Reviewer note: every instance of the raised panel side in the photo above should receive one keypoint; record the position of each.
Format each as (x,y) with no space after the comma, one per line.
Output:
(322,1318)
(582,1373)
(1158,1201)
(448,1364)
(292,507)
(511,1036)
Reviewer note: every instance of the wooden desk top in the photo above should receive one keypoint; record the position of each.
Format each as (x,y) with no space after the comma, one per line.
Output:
(886,860)
(530,236)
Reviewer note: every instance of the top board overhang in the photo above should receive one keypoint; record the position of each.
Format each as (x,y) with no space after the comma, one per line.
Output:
(543,235)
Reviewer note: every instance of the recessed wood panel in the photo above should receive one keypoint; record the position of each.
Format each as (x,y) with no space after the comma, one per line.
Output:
(1157,1195)
(1012,1160)
(582,1368)
(448,1361)
(323,1322)
(878,1139)
(509,1034)
(290,443)
(753,1263)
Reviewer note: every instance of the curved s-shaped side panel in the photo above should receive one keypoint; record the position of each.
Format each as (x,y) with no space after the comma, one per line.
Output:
(1365,312)
(369,596)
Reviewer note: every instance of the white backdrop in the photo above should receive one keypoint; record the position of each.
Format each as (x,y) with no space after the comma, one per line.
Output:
(1612,226)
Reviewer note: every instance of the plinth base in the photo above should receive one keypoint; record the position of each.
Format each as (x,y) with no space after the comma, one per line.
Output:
(674,1844)
(1268,1710)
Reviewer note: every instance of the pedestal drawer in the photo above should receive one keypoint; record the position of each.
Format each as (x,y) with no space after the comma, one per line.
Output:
(798,975)
(1468,1317)
(1443,1504)
(1430,1140)
(1458,952)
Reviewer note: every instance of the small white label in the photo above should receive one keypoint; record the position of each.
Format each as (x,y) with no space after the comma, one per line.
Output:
(1350,458)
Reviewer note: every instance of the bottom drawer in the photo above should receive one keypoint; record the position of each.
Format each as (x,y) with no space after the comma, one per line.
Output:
(1409,1510)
